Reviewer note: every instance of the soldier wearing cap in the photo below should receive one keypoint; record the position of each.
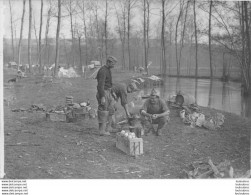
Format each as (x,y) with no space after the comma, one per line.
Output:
(155,111)
(104,96)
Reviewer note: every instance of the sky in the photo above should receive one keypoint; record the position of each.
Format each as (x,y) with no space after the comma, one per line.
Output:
(17,6)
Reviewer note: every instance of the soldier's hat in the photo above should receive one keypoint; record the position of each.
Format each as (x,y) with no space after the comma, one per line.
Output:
(111,59)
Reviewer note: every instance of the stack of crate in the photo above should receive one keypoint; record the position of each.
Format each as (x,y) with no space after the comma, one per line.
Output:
(69,100)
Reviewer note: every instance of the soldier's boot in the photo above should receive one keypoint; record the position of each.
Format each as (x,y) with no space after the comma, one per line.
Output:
(102,119)
(161,127)
(109,124)
(102,129)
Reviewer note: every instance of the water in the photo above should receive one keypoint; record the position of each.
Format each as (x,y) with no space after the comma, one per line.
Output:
(224,96)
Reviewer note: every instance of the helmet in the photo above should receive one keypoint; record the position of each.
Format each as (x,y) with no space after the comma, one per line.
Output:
(155,92)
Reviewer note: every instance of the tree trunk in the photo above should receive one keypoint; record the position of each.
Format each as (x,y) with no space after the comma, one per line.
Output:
(86,38)
(196,40)
(124,37)
(21,35)
(243,60)
(66,55)
(146,23)
(248,42)
(80,55)
(183,34)
(98,34)
(57,39)
(209,39)
(240,6)
(35,32)
(121,33)
(72,35)
(29,35)
(12,32)
(176,39)
(144,34)
(128,33)
(40,36)
(163,51)
(106,33)
(46,35)
(147,32)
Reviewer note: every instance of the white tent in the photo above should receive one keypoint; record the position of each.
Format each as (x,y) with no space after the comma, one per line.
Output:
(69,73)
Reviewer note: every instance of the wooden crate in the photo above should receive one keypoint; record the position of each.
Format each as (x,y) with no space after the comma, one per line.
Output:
(56,117)
(132,147)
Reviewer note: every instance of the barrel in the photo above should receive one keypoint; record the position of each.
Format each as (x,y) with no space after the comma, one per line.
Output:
(184,99)
(103,116)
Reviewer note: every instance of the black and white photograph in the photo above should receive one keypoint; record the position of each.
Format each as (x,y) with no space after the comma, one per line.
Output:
(125,89)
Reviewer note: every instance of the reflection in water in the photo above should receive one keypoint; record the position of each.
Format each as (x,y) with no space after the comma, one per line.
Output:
(195,91)
(209,93)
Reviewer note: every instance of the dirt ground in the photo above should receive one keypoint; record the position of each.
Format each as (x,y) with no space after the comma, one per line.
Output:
(39,149)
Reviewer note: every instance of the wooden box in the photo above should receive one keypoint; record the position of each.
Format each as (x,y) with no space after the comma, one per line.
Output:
(56,116)
(132,147)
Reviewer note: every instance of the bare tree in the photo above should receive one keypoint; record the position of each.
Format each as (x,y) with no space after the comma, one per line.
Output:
(21,34)
(130,5)
(176,36)
(146,27)
(121,19)
(66,53)
(144,34)
(12,32)
(148,3)
(163,50)
(82,6)
(49,12)
(183,33)
(196,39)
(29,35)
(79,34)
(106,23)
(245,4)
(35,33)
(209,38)
(57,39)
(40,35)
(98,31)
(70,6)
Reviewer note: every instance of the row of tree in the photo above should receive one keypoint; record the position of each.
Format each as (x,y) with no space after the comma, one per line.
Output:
(183,21)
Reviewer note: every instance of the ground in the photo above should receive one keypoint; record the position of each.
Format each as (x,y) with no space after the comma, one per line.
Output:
(39,149)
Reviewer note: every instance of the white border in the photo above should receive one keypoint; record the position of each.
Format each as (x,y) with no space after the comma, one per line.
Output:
(1,94)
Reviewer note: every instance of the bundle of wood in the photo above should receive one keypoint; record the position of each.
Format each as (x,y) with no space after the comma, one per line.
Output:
(206,170)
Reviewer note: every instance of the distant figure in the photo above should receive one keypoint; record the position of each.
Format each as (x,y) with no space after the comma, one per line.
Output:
(141,69)
(13,80)
(155,111)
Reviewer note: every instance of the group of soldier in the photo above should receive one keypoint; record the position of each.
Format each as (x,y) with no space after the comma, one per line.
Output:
(154,110)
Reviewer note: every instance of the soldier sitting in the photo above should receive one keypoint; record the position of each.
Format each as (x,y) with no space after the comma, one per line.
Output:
(155,111)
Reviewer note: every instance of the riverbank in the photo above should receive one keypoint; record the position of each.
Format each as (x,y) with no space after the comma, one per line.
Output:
(238,80)
(39,149)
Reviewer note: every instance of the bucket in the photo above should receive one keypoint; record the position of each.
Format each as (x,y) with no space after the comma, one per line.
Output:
(184,99)
(103,116)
